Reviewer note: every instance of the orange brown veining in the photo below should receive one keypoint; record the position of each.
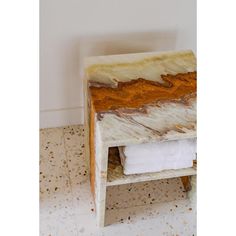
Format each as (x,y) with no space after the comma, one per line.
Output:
(186,183)
(135,94)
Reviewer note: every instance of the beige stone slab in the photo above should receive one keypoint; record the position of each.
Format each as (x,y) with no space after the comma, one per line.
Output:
(171,121)
(114,68)
(166,110)
(116,176)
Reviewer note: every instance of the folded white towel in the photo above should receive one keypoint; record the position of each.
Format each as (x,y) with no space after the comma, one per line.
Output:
(153,157)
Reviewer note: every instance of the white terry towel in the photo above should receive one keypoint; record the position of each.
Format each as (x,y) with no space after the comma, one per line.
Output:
(153,157)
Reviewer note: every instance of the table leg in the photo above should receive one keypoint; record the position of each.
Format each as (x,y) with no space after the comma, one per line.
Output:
(100,183)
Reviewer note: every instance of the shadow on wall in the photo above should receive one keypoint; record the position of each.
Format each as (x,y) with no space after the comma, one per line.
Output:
(107,44)
(98,45)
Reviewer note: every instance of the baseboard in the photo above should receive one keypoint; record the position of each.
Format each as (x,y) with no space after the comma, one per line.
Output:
(61,117)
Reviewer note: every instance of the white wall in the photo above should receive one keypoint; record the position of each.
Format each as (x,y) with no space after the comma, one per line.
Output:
(73,29)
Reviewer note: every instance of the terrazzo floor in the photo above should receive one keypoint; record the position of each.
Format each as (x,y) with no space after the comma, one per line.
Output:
(66,207)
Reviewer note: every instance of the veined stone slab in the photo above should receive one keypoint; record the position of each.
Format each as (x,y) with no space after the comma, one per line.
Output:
(136,98)
(150,97)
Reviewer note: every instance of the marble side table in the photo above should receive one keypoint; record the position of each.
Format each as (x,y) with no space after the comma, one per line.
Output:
(133,99)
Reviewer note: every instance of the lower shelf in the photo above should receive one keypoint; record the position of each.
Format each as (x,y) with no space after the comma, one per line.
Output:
(115,174)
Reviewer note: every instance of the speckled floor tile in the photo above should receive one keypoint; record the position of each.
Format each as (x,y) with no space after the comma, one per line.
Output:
(66,205)
(54,176)
(79,178)
(144,193)
(57,215)
(56,205)
(78,166)
(157,220)
(58,225)
(51,140)
(168,224)
(74,137)
(156,211)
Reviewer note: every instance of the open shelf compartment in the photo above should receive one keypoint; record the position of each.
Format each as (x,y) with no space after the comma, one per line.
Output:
(115,175)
